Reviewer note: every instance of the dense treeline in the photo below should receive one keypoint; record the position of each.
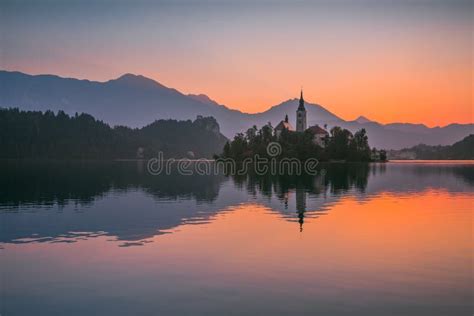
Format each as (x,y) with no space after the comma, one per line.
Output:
(340,144)
(462,150)
(35,134)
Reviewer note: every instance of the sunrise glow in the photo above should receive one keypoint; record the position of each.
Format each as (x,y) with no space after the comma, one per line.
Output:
(391,62)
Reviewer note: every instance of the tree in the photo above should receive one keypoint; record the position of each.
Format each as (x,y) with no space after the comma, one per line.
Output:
(251,134)
(338,145)
(238,147)
(359,147)
(35,134)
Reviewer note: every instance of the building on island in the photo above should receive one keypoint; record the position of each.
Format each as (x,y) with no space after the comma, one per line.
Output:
(320,134)
(301,115)
(283,125)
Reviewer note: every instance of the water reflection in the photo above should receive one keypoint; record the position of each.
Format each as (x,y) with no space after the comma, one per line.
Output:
(65,202)
(46,183)
(107,239)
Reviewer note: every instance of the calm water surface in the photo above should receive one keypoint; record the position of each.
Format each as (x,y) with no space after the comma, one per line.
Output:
(108,239)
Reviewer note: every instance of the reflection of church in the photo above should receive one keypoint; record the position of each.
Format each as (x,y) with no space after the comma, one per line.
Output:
(300,206)
(319,133)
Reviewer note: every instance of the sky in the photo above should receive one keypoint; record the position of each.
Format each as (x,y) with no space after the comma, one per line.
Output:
(391,61)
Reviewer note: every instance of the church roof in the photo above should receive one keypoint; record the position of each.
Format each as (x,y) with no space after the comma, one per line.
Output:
(284,125)
(317,130)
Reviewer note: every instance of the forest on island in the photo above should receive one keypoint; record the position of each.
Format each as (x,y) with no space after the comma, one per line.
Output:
(339,145)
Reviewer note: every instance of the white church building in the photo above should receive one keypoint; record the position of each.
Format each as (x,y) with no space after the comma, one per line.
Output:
(319,133)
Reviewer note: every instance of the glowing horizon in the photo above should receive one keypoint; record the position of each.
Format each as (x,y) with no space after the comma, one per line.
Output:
(408,61)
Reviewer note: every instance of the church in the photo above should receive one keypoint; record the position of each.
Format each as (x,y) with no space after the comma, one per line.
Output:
(319,133)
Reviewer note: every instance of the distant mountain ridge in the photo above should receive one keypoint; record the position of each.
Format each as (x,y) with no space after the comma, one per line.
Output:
(362,120)
(461,150)
(135,100)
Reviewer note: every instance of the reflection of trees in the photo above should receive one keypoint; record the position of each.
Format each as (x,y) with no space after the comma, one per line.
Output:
(62,182)
(339,178)
(83,183)
(69,183)
(465,172)
(461,171)
(343,177)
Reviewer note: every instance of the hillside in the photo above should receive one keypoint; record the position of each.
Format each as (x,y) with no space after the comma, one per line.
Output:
(60,136)
(462,150)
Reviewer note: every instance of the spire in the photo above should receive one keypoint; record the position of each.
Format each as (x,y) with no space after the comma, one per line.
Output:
(286,118)
(301,106)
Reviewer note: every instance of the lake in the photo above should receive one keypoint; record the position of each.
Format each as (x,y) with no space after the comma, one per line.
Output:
(96,238)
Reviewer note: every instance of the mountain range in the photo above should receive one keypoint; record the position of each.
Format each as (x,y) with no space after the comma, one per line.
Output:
(136,101)
(462,150)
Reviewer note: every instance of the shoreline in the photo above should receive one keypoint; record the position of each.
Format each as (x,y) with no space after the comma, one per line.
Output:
(470,161)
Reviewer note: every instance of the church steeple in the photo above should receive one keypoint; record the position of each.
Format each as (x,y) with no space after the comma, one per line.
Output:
(301,115)
(301,106)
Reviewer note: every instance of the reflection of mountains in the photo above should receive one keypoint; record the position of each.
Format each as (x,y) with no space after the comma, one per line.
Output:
(63,202)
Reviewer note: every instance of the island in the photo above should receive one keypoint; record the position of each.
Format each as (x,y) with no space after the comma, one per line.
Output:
(304,142)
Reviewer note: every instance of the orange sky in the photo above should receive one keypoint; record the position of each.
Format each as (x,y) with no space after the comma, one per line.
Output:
(403,61)
(400,86)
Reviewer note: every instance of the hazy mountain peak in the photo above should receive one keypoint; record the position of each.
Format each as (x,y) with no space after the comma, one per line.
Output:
(362,120)
(127,76)
(137,80)
(203,98)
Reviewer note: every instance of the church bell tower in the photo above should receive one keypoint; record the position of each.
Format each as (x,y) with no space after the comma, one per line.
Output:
(301,115)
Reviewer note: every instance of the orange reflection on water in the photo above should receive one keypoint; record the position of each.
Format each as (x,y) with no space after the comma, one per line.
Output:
(411,247)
